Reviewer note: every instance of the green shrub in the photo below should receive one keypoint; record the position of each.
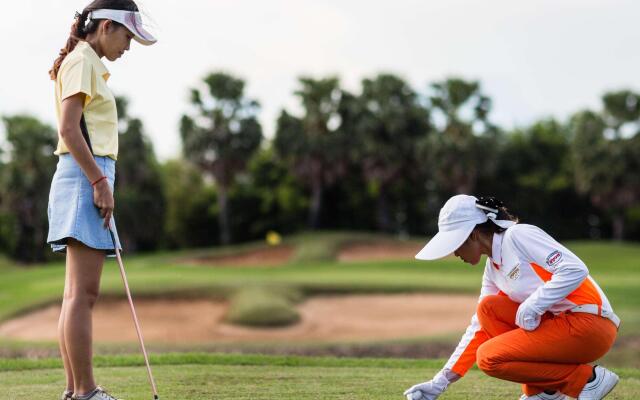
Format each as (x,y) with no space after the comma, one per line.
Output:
(264,307)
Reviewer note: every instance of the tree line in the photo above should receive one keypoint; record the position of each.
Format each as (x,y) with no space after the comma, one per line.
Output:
(384,158)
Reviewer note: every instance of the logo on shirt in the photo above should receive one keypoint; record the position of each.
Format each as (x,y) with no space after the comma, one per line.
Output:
(514,273)
(554,258)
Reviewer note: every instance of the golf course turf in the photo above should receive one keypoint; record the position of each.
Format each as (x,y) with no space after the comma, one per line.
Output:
(311,270)
(231,376)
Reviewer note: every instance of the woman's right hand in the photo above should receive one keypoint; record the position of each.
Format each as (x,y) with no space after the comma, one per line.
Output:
(430,390)
(103,199)
(423,391)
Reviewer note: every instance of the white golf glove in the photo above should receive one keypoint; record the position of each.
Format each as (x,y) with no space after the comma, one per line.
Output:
(527,317)
(428,390)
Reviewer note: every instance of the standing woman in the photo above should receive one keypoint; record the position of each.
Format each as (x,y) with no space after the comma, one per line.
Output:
(81,199)
(541,319)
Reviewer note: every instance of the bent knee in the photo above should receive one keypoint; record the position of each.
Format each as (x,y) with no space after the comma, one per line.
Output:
(488,303)
(487,359)
(498,307)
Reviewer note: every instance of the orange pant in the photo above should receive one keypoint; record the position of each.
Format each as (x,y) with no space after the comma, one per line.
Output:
(552,357)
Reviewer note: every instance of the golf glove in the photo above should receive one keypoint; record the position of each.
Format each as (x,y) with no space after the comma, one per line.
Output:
(527,317)
(430,390)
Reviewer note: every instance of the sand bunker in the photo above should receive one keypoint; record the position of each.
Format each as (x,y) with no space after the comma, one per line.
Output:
(379,251)
(266,257)
(324,318)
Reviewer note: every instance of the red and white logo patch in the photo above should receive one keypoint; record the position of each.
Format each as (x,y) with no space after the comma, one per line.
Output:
(554,258)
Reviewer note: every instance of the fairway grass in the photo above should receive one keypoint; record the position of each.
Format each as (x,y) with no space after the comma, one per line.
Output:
(236,377)
(312,271)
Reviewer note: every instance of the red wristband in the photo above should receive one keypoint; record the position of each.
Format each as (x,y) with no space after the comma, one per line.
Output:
(98,180)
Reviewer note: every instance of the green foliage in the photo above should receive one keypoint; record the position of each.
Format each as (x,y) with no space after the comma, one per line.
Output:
(620,108)
(536,175)
(591,154)
(139,195)
(608,169)
(455,97)
(270,198)
(461,149)
(190,219)
(544,145)
(261,306)
(313,146)
(24,187)
(384,158)
(222,136)
(389,123)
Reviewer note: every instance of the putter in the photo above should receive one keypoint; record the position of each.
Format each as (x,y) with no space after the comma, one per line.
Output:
(133,313)
(85,134)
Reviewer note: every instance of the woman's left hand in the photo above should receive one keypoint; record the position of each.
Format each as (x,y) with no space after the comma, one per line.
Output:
(527,318)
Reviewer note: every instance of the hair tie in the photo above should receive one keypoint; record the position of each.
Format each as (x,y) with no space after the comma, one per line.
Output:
(488,210)
(491,207)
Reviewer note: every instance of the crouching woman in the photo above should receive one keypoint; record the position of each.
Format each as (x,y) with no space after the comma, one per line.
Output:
(541,319)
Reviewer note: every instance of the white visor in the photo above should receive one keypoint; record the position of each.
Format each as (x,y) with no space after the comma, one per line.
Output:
(458,217)
(445,243)
(131,19)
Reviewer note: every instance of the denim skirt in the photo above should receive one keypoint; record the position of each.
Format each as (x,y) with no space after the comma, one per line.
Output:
(71,211)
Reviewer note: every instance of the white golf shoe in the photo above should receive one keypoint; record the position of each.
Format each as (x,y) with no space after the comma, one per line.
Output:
(99,394)
(544,396)
(66,395)
(601,386)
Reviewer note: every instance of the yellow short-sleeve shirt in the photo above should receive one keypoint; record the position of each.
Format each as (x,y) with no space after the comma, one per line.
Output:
(82,71)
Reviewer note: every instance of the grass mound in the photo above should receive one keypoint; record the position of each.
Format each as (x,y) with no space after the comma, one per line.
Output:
(264,307)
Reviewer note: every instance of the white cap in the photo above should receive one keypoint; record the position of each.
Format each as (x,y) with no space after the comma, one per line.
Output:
(459,215)
(131,19)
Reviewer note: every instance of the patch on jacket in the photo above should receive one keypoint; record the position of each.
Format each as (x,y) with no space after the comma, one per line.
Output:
(554,258)
(514,273)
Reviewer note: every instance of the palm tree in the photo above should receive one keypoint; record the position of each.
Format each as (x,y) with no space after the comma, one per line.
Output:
(222,136)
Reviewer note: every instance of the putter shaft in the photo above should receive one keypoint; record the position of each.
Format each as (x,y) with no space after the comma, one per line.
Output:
(134,315)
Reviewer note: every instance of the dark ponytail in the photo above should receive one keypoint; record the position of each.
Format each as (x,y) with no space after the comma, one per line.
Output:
(80,28)
(488,205)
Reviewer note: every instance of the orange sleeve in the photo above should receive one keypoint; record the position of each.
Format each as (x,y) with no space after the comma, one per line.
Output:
(467,357)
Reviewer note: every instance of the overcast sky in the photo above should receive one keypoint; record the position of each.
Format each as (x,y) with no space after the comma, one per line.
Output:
(534,59)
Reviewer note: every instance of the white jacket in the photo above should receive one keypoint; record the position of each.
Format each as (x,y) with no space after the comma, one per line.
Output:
(528,264)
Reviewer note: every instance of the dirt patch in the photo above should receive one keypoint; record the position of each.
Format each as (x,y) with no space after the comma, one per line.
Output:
(266,257)
(379,251)
(324,318)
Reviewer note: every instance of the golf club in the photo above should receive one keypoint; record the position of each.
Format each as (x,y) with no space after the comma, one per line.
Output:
(133,313)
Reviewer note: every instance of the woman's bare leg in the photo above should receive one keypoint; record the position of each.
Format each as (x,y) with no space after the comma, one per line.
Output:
(84,266)
(63,348)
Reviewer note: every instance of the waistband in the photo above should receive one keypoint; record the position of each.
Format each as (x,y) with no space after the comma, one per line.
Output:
(68,167)
(597,310)
(68,156)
